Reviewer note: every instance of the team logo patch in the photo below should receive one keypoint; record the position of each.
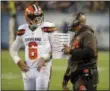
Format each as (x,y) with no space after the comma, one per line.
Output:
(76,43)
(82,88)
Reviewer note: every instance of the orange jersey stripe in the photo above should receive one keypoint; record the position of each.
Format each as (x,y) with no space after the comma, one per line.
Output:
(20,32)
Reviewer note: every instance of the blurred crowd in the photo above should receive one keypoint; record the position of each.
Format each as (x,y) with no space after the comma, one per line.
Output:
(60,6)
(93,8)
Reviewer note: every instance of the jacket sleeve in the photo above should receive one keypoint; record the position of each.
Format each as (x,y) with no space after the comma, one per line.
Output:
(88,50)
(14,49)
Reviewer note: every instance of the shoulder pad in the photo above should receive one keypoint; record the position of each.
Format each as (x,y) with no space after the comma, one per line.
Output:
(48,27)
(21,30)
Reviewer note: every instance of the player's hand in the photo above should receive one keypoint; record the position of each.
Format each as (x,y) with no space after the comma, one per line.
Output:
(23,66)
(66,49)
(41,64)
(64,85)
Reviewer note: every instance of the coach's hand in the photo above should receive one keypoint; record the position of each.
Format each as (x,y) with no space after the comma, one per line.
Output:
(41,63)
(23,66)
(66,49)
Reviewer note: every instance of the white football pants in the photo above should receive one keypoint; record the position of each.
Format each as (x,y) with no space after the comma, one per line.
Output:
(34,80)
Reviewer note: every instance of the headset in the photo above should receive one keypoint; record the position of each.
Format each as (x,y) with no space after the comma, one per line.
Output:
(80,19)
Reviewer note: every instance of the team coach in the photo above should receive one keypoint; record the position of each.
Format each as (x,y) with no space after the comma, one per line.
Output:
(82,64)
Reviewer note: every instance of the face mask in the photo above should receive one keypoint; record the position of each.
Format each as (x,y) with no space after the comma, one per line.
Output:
(35,25)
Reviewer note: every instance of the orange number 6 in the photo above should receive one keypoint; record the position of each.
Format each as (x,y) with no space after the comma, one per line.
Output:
(33,52)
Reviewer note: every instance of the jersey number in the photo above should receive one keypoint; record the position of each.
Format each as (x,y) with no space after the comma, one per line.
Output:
(33,52)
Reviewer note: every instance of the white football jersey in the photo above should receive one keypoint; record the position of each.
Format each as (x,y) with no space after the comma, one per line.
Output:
(36,43)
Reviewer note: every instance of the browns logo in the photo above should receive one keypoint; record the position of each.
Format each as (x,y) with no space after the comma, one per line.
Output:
(76,43)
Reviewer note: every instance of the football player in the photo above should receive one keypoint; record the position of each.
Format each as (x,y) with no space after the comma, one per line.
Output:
(35,37)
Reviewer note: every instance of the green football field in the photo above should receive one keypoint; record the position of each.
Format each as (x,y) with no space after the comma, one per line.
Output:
(12,80)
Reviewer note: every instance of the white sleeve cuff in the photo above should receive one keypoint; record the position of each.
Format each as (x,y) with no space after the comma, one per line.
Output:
(16,59)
